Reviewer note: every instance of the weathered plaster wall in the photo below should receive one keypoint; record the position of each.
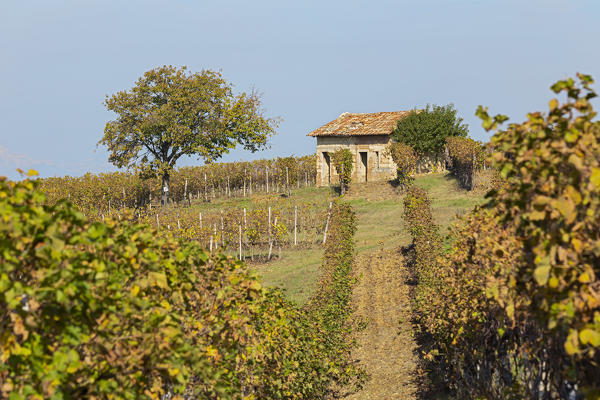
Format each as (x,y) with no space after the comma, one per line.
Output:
(379,166)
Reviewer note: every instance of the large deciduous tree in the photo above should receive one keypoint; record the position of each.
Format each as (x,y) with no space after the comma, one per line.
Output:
(426,130)
(171,112)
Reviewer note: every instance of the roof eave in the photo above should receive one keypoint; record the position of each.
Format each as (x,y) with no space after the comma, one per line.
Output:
(348,135)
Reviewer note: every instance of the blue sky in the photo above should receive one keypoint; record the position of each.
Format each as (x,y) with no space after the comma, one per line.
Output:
(312,60)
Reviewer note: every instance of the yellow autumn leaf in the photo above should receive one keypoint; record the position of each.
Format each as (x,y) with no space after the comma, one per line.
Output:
(595,178)
(165,305)
(510,310)
(211,351)
(584,278)
(542,271)
(570,348)
(573,194)
(566,207)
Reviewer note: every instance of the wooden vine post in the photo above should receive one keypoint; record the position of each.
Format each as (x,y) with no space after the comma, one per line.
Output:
(342,181)
(215,233)
(240,240)
(327,223)
(269,228)
(244,182)
(222,231)
(295,224)
(271,241)
(205,188)
(267,173)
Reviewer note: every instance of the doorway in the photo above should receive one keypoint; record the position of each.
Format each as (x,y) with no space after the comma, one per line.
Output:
(326,168)
(363,159)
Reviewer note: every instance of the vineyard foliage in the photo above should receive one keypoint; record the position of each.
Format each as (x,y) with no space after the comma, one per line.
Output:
(98,310)
(426,245)
(406,161)
(343,161)
(331,304)
(101,193)
(465,157)
(523,271)
(254,229)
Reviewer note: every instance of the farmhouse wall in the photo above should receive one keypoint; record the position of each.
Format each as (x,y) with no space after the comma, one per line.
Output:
(379,166)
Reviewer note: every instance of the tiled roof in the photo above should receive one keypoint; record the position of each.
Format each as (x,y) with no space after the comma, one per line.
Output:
(347,124)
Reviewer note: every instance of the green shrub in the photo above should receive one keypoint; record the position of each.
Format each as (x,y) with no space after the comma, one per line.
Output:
(343,161)
(406,161)
(426,130)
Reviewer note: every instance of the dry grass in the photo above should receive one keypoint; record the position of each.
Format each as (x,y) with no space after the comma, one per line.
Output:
(387,345)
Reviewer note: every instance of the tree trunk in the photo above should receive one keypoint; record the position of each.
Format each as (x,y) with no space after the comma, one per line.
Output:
(165,189)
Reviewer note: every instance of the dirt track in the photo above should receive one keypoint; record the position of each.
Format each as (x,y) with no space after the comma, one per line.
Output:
(386,346)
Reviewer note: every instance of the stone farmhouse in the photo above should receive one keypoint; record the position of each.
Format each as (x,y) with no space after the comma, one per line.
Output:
(367,136)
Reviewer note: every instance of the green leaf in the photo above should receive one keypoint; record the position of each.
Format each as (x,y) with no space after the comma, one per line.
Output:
(590,336)
(158,279)
(541,273)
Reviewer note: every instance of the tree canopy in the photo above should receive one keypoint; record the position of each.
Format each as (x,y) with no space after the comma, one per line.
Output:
(171,112)
(426,130)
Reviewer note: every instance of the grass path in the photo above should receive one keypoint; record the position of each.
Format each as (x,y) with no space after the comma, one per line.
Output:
(382,296)
(387,347)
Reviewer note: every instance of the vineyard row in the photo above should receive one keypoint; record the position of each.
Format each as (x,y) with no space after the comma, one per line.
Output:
(106,191)
(247,232)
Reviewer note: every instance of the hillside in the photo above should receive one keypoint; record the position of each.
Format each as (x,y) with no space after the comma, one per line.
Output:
(379,210)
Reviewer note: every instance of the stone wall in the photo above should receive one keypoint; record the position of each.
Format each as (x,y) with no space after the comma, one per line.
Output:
(379,166)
